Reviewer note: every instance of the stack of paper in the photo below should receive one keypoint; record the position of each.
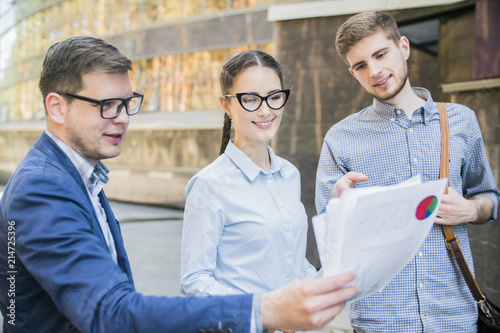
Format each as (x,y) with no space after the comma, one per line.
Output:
(375,231)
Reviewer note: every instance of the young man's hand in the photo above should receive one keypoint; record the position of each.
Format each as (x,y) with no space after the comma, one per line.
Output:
(347,181)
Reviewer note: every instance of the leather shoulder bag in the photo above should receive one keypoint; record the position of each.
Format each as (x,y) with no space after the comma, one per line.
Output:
(488,313)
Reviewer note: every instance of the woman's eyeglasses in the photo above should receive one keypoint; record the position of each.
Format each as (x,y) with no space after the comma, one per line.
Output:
(252,102)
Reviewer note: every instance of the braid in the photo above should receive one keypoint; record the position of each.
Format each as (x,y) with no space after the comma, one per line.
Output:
(226,133)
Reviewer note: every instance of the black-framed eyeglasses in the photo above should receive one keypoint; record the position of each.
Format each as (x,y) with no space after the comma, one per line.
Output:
(252,102)
(111,107)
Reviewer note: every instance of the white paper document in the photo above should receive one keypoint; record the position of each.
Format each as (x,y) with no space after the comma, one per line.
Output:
(375,231)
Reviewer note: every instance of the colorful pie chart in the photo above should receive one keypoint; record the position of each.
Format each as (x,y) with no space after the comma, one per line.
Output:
(426,207)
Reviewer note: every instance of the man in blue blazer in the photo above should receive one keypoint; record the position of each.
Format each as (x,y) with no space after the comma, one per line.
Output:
(63,266)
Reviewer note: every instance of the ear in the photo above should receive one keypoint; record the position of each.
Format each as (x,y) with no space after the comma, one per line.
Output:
(56,108)
(225,105)
(404,45)
(352,73)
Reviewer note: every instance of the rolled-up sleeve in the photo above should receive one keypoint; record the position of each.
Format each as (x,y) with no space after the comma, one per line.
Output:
(477,175)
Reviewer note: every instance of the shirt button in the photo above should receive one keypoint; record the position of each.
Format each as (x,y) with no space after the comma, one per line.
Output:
(269,181)
(420,254)
(398,112)
(426,119)
(415,159)
(289,253)
(392,119)
(421,285)
(411,130)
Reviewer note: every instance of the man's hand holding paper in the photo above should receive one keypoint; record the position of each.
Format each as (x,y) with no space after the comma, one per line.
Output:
(455,209)
(375,231)
(346,182)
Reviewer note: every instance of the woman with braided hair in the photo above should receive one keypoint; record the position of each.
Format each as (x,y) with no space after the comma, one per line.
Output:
(245,228)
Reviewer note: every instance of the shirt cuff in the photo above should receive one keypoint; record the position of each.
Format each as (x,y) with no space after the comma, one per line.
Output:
(493,198)
(256,321)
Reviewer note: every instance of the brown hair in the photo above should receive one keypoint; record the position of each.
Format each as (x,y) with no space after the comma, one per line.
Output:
(230,71)
(67,61)
(362,25)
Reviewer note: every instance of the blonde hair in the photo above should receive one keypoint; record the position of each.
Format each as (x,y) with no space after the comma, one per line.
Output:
(362,25)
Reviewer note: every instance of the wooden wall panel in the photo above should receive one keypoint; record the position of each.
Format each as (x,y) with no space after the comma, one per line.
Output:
(456,42)
(487,39)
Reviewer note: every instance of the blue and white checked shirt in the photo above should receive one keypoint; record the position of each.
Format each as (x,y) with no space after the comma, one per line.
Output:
(245,230)
(429,294)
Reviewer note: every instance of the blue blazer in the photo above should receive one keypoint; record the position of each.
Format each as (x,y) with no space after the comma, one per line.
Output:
(56,274)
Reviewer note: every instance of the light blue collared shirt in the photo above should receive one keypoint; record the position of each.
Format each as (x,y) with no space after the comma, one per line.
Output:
(245,230)
(429,294)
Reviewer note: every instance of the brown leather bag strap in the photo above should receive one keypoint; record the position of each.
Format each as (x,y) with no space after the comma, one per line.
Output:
(445,142)
(451,239)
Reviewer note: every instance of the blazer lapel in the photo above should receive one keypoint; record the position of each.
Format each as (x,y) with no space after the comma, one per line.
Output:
(58,157)
(114,227)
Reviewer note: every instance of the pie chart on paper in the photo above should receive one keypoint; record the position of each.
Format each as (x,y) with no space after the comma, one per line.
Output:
(426,207)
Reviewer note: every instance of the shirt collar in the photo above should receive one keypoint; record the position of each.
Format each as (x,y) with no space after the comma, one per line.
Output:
(247,166)
(93,177)
(387,110)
